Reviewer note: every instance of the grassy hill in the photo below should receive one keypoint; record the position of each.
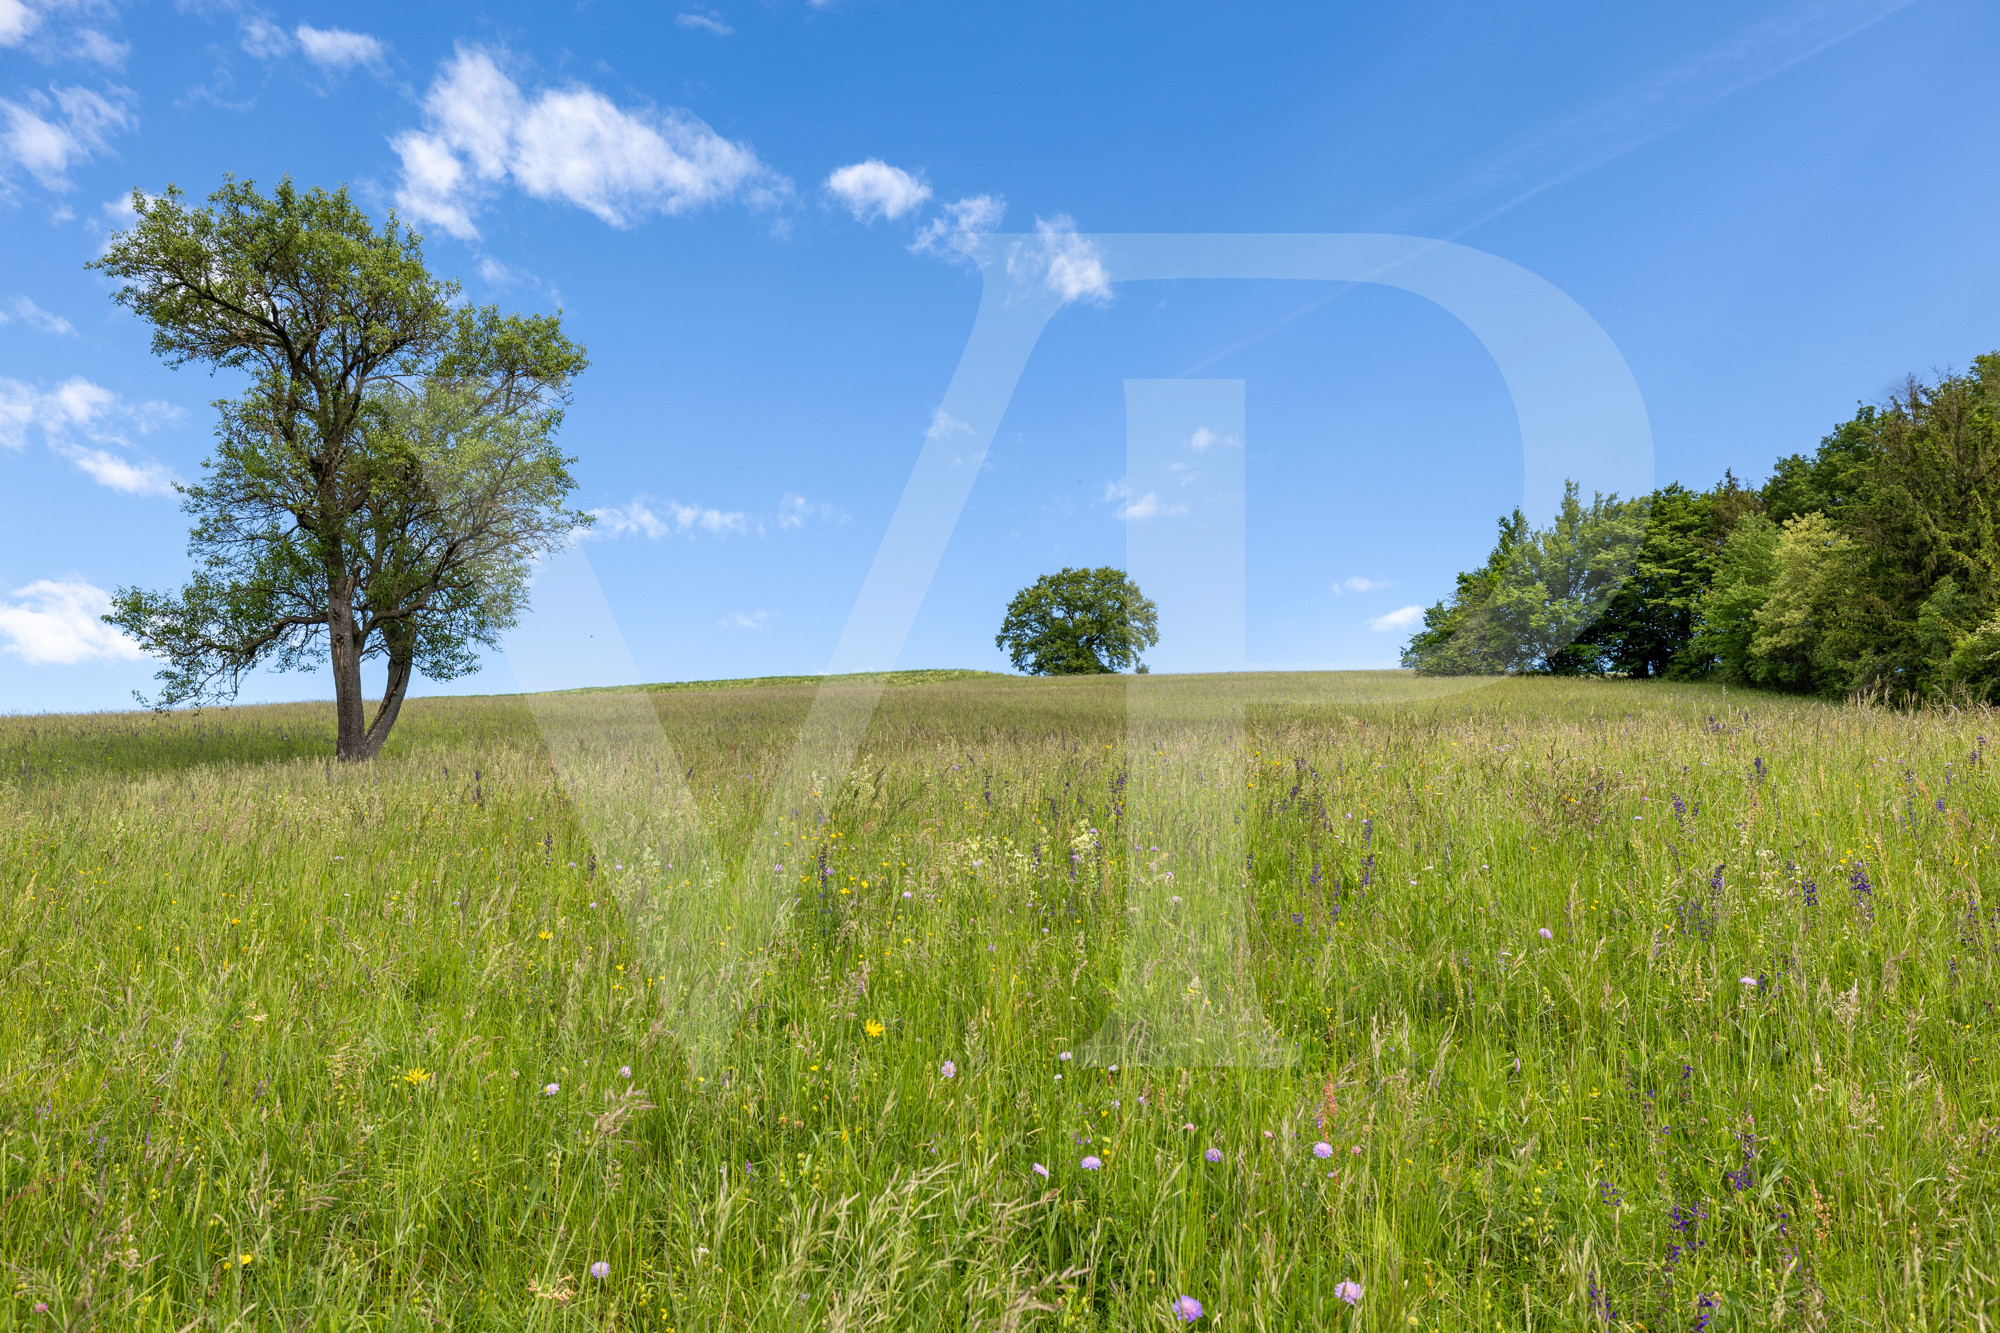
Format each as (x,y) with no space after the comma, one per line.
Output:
(1567,1001)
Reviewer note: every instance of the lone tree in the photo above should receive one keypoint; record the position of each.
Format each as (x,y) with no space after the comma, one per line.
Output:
(381,487)
(1079,622)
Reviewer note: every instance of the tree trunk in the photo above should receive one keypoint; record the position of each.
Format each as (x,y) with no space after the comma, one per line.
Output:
(350,734)
(392,704)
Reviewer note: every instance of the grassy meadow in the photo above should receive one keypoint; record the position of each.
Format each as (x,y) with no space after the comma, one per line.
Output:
(1605,1005)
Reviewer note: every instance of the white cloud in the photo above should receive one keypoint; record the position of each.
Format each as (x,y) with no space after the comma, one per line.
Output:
(1144,507)
(78,410)
(794,511)
(703,22)
(1401,618)
(1358,584)
(962,228)
(944,425)
(875,189)
(50,131)
(337,48)
(264,39)
(569,145)
(1067,263)
(745,620)
(52,622)
(1205,439)
(90,44)
(21,308)
(17,20)
(682,520)
(120,474)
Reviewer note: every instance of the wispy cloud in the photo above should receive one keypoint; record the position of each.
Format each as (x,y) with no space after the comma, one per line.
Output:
(874,189)
(1356,583)
(568,145)
(1066,261)
(338,48)
(54,622)
(1205,439)
(745,620)
(646,517)
(703,21)
(1654,106)
(1130,508)
(76,419)
(50,132)
(21,308)
(960,229)
(1401,618)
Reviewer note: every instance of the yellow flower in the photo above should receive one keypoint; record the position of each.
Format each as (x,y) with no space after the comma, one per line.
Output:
(417,1076)
(545,934)
(875,1029)
(246,1259)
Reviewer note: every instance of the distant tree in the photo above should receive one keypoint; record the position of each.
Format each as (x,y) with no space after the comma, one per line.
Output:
(1540,593)
(1079,622)
(378,489)
(1741,582)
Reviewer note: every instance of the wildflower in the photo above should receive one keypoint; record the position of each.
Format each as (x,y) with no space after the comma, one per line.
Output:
(551,1089)
(908,894)
(1092,1163)
(1269,1135)
(948,1069)
(1748,981)
(873,1028)
(1213,1154)
(545,934)
(1188,1128)
(1348,1291)
(1187,1309)
(42,1307)
(417,1076)
(1355,1150)
(244,1260)
(1322,1150)
(1040,1170)
(600,1270)
(1546,933)
(624,1071)
(1064,1056)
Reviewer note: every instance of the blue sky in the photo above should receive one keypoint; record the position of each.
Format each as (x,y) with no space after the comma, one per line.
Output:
(1774,210)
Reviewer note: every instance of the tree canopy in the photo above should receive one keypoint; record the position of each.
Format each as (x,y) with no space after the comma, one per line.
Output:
(1079,622)
(1872,564)
(380,486)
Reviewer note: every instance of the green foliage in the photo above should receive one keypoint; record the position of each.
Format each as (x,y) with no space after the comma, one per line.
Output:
(379,487)
(262,1005)
(1078,622)
(1540,590)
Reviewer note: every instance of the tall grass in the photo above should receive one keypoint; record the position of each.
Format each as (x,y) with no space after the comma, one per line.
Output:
(1613,1004)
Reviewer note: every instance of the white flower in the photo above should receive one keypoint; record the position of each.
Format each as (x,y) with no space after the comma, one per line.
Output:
(551,1089)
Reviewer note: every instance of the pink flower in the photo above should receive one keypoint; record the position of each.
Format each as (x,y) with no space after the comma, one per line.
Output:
(1040,1170)
(948,1069)
(600,1270)
(1322,1150)
(1091,1163)
(1349,1292)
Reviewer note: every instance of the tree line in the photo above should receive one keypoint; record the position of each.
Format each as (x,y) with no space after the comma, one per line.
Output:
(1870,566)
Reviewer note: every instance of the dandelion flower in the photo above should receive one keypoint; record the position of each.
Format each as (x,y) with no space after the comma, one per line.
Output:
(948,1069)
(1092,1163)
(417,1076)
(1040,1170)
(600,1270)
(873,1028)
(1349,1292)
(551,1089)
(1322,1150)
(1187,1309)
(1213,1154)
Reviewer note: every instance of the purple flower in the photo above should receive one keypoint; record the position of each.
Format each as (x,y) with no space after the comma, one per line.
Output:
(1349,1292)
(1188,1309)
(42,1307)
(1092,1163)
(600,1270)
(624,1071)
(1064,1056)
(1213,1154)
(1040,1170)
(1188,1128)
(1546,933)
(1322,1150)
(551,1089)
(1356,1150)
(948,1069)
